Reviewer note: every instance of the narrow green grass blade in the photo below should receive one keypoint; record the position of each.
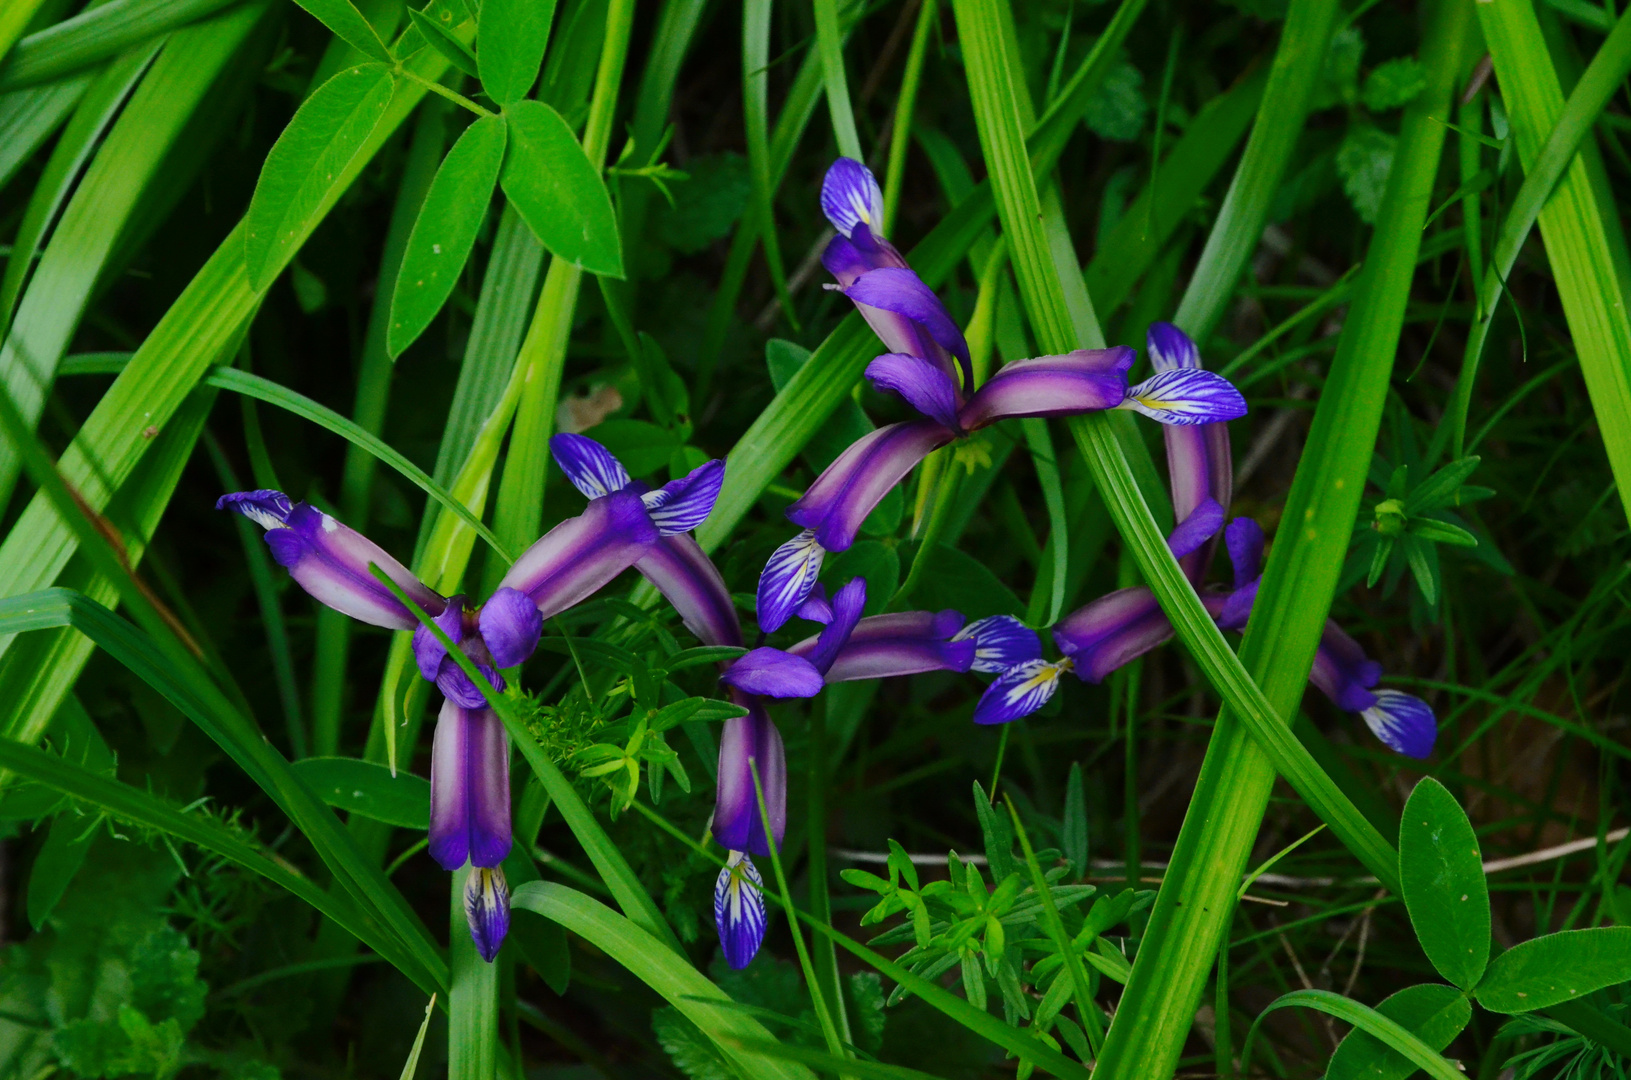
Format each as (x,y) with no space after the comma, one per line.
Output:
(829,45)
(411,1066)
(472,999)
(900,132)
(1367,1020)
(97,33)
(14,20)
(756,124)
(668,975)
(28,117)
(1298,65)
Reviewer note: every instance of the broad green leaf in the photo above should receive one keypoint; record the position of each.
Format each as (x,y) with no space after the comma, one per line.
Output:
(457,52)
(1555,968)
(1432,1012)
(445,230)
(1442,875)
(1393,83)
(558,190)
(368,789)
(641,446)
(510,43)
(348,24)
(664,972)
(319,145)
(955,579)
(59,859)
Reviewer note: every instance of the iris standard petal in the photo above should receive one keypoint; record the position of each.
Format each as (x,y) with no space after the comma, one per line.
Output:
(1111,631)
(1186,396)
(469,788)
(1083,381)
(691,583)
(899,291)
(331,563)
(428,650)
(510,625)
(747,741)
(580,555)
(681,505)
(1343,672)
(589,466)
(1200,526)
(1403,722)
(487,909)
(903,643)
(456,686)
(816,608)
(1237,608)
(847,258)
(1000,642)
(739,910)
(850,196)
(925,387)
(1244,539)
(839,500)
(264,506)
(773,673)
(1171,348)
(847,605)
(788,579)
(1020,691)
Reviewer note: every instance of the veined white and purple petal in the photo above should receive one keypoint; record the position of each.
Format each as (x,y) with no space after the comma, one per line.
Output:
(788,580)
(898,291)
(580,555)
(1113,630)
(839,500)
(774,673)
(487,909)
(1405,723)
(1343,672)
(1171,348)
(1200,526)
(331,563)
(816,607)
(1020,691)
(745,742)
(510,626)
(266,507)
(848,257)
(903,643)
(850,196)
(469,788)
(1000,642)
(739,910)
(589,466)
(690,582)
(681,505)
(1244,539)
(1083,381)
(847,605)
(921,382)
(1186,396)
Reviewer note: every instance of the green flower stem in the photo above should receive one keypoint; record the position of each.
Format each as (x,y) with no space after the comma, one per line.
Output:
(472,1002)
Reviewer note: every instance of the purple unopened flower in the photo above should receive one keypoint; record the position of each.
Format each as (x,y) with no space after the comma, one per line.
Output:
(926,354)
(625,524)
(739,909)
(1198,458)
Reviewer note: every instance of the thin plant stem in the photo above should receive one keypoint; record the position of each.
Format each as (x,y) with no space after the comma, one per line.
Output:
(900,132)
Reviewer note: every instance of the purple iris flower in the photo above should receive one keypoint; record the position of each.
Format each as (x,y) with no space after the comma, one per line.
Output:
(625,524)
(1123,625)
(927,354)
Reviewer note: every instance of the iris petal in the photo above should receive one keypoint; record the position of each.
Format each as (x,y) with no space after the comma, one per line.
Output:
(580,555)
(1171,348)
(1186,396)
(681,505)
(850,196)
(588,465)
(846,607)
(487,909)
(689,581)
(331,562)
(739,910)
(1111,631)
(788,580)
(1403,722)
(925,387)
(839,500)
(1000,642)
(1083,381)
(510,626)
(903,643)
(1020,691)
(898,290)
(469,788)
(749,742)
(773,673)
(1196,529)
(265,507)
(1244,538)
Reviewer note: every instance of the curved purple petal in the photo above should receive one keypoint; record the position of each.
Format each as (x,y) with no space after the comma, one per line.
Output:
(487,909)
(739,910)
(1343,672)
(588,465)
(1000,642)
(1403,722)
(1019,691)
(1171,348)
(582,554)
(925,387)
(428,650)
(1237,609)
(788,580)
(1244,539)
(1200,526)
(848,257)
(469,788)
(1111,631)
(904,643)
(689,581)
(266,507)
(1083,381)
(681,505)
(773,673)
(816,608)
(748,741)
(847,605)
(850,196)
(899,291)
(510,626)
(1186,396)
(456,686)
(839,500)
(331,562)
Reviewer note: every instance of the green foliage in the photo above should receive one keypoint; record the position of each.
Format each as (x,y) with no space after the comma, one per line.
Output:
(1443,877)
(1393,84)
(1557,967)
(558,191)
(1433,1013)
(1363,161)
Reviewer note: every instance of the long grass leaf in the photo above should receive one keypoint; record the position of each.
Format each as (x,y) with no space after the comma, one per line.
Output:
(95,34)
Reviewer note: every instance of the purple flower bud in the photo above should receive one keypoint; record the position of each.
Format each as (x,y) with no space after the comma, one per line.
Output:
(739,910)
(487,909)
